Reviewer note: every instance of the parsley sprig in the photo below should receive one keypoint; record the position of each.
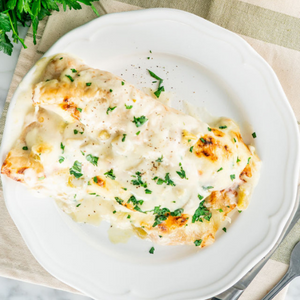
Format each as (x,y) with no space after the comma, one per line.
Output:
(14,13)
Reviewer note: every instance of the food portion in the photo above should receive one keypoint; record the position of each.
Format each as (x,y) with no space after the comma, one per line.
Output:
(104,150)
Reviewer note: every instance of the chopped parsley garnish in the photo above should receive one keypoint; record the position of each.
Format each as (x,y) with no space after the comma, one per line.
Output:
(222,127)
(139,180)
(148,57)
(76,169)
(160,87)
(177,212)
(60,58)
(62,147)
(248,160)
(122,82)
(110,174)
(75,131)
(88,84)
(151,251)
(207,187)
(114,211)
(159,90)
(78,204)
(128,106)
(139,121)
(254,135)
(208,128)
(119,200)
(135,202)
(61,159)
(125,189)
(203,140)
(124,137)
(240,211)
(191,149)
(200,197)
(234,140)
(74,70)
(110,109)
(82,153)
(197,242)
(181,173)
(232,177)
(111,90)
(70,77)
(148,191)
(220,169)
(129,216)
(92,194)
(201,212)
(220,210)
(79,109)
(95,179)
(138,133)
(25,148)
(167,180)
(160,159)
(161,215)
(92,159)
(224,229)
(238,160)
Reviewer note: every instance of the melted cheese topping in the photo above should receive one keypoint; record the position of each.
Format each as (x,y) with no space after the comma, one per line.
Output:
(106,151)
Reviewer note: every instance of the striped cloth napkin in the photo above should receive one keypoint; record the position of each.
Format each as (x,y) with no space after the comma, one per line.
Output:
(271,27)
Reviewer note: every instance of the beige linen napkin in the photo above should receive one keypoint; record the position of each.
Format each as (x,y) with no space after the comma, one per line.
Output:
(271,27)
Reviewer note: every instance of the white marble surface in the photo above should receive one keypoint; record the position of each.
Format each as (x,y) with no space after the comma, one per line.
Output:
(16,290)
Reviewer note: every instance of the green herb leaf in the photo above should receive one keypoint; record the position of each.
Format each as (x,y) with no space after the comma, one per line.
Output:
(207,187)
(88,84)
(200,197)
(234,140)
(119,200)
(151,251)
(148,191)
(92,159)
(181,173)
(61,159)
(224,229)
(160,159)
(62,147)
(200,213)
(139,180)
(222,127)
(254,135)
(76,169)
(238,160)
(25,148)
(122,82)
(74,70)
(154,75)
(177,212)
(232,177)
(78,204)
(220,169)
(70,77)
(138,133)
(139,121)
(110,90)
(203,140)
(248,160)
(124,137)
(208,128)
(191,149)
(110,174)
(110,109)
(79,109)
(197,242)
(75,131)
(128,106)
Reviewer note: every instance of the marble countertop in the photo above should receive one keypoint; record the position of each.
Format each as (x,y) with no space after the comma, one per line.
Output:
(17,290)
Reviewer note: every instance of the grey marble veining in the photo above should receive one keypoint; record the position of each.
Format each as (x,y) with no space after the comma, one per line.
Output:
(16,290)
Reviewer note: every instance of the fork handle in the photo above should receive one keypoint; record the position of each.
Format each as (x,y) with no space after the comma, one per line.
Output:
(289,276)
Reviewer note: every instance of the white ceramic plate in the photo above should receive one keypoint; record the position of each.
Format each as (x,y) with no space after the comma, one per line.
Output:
(209,67)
